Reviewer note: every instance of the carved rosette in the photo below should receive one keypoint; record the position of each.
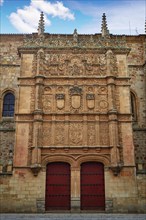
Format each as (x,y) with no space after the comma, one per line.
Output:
(75,134)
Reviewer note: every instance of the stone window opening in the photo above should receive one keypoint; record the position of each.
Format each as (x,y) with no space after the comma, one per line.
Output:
(8,105)
(133,106)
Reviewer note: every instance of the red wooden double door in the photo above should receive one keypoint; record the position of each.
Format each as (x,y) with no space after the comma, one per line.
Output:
(58,188)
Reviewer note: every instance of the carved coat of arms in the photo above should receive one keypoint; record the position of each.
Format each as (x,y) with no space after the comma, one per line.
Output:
(60,101)
(90,101)
(76,93)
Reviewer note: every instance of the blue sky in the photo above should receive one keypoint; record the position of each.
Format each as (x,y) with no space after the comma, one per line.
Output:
(63,16)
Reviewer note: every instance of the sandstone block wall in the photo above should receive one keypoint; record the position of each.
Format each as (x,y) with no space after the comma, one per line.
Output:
(20,190)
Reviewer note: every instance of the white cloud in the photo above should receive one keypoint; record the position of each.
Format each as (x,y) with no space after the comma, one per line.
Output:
(54,9)
(1,2)
(26,19)
(123,17)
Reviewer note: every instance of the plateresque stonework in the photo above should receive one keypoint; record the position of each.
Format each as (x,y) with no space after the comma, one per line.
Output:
(73,110)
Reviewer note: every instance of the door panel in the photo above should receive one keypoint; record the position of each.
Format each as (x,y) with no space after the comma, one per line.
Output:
(58,186)
(92,186)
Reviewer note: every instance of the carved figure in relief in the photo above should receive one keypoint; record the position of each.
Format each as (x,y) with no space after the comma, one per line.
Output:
(102,64)
(111,63)
(41,61)
(75,133)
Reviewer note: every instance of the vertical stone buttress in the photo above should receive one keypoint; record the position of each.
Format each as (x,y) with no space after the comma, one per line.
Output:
(112,110)
(38,111)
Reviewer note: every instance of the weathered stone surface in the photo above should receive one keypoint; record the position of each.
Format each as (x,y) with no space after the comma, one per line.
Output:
(73,105)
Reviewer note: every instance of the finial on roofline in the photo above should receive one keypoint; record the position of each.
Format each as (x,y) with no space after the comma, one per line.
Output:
(41,26)
(104,29)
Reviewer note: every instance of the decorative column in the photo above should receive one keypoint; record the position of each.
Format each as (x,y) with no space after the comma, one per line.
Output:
(112,111)
(75,189)
(38,114)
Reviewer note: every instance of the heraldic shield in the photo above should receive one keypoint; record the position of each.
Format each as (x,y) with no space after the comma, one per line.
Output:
(60,101)
(90,101)
(76,101)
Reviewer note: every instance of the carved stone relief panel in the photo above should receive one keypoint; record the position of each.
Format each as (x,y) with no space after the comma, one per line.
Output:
(91,134)
(104,134)
(47,100)
(75,65)
(7,141)
(111,63)
(32,98)
(75,133)
(59,134)
(47,134)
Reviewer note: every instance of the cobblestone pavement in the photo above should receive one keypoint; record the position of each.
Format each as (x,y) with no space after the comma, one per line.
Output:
(72,216)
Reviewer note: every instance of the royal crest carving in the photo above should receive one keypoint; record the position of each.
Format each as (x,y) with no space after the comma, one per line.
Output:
(76,97)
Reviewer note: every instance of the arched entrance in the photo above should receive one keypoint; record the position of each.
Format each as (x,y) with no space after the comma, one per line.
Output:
(58,186)
(92,186)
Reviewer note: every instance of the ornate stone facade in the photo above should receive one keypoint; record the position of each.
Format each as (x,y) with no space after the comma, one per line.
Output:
(73,105)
